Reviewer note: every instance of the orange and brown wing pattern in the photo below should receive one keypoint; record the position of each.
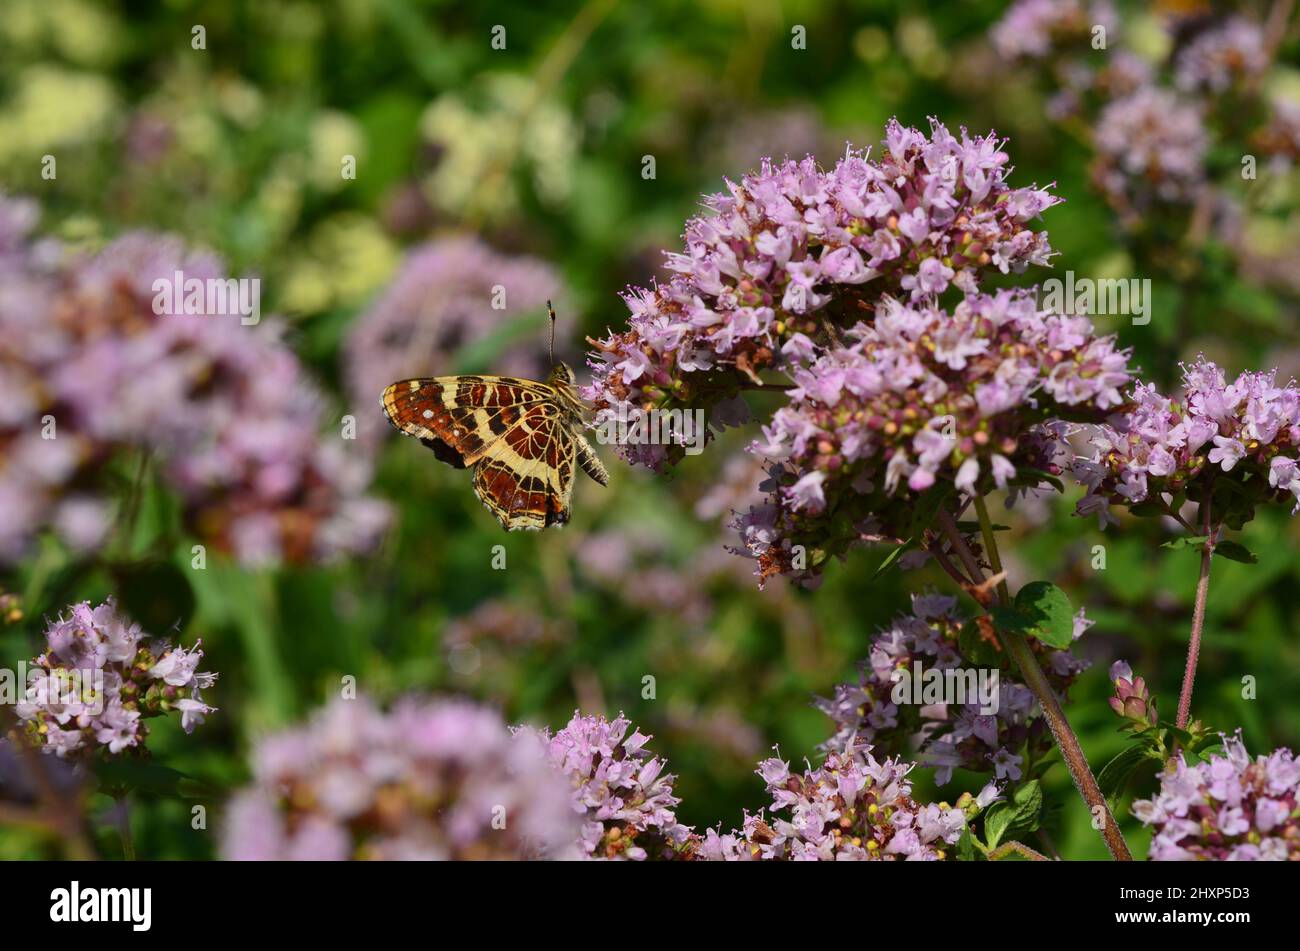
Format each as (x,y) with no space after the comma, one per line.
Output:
(457,416)
(511,431)
(526,477)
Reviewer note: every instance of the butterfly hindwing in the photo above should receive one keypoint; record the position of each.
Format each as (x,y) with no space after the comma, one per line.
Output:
(526,477)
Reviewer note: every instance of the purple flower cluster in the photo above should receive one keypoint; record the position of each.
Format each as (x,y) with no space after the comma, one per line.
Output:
(1034,29)
(1280,138)
(1225,55)
(88,368)
(427,780)
(448,293)
(917,396)
(1246,432)
(851,808)
(792,252)
(1228,808)
(636,568)
(1154,126)
(619,788)
(101,678)
(21,786)
(946,736)
(1151,146)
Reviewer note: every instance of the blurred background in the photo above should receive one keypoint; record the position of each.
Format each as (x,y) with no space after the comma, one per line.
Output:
(562,165)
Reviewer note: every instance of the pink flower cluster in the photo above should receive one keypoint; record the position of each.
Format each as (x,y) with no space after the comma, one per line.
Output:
(946,736)
(619,788)
(101,678)
(448,294)
(851,808)
(224,410)
(917,396)
(1154,127)
(1228,808)
(1246,432)
(792,252)
(1224,55)
(440,779)
(1151,145)
(1034,29)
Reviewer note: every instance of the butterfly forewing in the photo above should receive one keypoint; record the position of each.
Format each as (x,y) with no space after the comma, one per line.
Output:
(514,433)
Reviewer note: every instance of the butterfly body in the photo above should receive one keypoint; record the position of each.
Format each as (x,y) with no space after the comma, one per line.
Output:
(522,438)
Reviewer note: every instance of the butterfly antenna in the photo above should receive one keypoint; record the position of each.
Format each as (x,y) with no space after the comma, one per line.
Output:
(551,310)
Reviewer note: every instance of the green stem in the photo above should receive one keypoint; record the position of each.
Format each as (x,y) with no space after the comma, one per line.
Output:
(991,546)
(1036,681)
(124,827)
(1019,848)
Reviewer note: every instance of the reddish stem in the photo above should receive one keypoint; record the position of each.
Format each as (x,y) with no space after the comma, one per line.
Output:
(1036,681)
(1198,617)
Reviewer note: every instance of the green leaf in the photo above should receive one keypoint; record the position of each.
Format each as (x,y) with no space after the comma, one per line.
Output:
(1035,477)
(1047,610)
(147,777)
(1235,551)
(928,506)
(966,846)
(1016,817)
(975,648)
(1147,510)
(1009,619)
(1187,541)
(1115,775)
(892,557)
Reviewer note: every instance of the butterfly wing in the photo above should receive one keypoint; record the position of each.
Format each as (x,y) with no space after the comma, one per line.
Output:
(459,416)
(511,431)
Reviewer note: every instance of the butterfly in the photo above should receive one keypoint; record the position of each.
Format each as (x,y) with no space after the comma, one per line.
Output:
(522,438)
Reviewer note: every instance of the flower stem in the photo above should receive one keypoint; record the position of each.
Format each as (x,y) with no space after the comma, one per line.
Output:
(1198,618)
(1036,681)
(1018,848)
(124,827)
(60,809)
(991,546)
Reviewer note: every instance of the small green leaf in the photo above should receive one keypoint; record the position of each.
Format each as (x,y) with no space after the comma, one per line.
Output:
(1009,619)
(966,846)
(1147,510)
(1115,775)
(975,648)
(892,557)
(1235,551)
(1016,817)
(996,821)
(1187,541)
(1047,610)
(1035,477)
(146,777)
(928,506)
